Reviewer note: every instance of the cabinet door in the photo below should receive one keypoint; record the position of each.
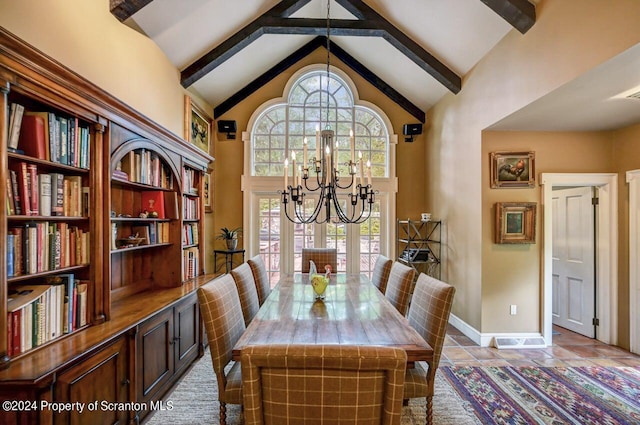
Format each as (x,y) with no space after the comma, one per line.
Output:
(155,354)
(103,379)
(187,319)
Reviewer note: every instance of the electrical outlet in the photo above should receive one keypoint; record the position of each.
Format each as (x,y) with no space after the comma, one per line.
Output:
(514,309)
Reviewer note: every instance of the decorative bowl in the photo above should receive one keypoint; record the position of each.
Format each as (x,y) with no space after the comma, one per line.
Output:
(129,242)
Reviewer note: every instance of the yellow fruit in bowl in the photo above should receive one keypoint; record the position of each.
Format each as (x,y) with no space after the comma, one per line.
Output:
(319,283)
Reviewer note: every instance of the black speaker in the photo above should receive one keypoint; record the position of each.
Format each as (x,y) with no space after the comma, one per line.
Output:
(227,126)
(412,129)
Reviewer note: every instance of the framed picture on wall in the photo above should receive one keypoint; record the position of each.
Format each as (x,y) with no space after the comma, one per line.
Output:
(512,169)
(208,193)
(515,222)
(197,125)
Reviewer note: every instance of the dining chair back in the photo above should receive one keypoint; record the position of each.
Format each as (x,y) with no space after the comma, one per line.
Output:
(429,315)
(381,271)
(322,384)
(243,277)
(223,322)
(261,277)
(400,286)
(321,257)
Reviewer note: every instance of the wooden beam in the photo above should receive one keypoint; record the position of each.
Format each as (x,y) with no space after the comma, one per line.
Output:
(306,26)
(350,61)
(521,14)
(124,9)
(238,41)
(406,45)
(272,73)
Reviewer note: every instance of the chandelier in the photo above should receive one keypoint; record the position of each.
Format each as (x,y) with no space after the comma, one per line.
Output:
(320,175)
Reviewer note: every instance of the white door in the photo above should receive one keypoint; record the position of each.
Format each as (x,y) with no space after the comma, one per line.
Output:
(573,260)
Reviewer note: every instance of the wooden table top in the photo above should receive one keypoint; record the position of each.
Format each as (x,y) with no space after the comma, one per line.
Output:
(353,312)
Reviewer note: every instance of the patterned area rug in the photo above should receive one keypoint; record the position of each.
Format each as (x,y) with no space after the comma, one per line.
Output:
(194,402)
(550,395)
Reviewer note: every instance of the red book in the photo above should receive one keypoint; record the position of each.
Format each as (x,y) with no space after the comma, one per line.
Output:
(34,193)
(153,201)
(9,336)
(33,140)
(22,179)
(15,323)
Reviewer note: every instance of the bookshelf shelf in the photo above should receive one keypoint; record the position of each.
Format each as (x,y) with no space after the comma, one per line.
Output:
(140,248)
(31,276)
(47,164)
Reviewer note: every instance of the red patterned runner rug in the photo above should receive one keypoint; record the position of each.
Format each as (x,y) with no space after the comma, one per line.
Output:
(549,395)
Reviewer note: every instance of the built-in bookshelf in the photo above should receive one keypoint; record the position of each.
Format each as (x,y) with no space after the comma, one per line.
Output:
(48,278)
(95,292)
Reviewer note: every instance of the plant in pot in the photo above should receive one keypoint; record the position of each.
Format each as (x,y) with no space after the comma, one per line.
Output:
(230,237)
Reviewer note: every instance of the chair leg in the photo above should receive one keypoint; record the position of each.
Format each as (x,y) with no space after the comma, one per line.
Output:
(429,410)
(223,413)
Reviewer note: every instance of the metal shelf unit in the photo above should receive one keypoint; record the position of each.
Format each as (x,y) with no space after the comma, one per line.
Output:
(419,245)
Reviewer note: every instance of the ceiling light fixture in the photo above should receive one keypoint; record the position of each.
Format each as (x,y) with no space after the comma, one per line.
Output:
(326,182)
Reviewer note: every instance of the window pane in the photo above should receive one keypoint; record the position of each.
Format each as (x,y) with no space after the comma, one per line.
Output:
(269,229)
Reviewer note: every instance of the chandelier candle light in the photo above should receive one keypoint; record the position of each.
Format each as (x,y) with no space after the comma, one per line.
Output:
(327,179)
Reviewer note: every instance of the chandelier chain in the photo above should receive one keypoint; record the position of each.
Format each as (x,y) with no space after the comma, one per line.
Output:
(328,55)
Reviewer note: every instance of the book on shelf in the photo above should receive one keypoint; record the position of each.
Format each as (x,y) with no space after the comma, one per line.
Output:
(23,301)
(11,202)
(17,197)
(33,188)
(152,201)
(81,303)
(57,194)
(33,139)
(67,283)
(15,122)
(22,186)
(44,193)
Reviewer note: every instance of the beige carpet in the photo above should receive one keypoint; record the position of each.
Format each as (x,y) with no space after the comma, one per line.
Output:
(194,402)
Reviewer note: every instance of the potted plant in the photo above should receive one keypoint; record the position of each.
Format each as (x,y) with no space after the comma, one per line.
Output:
(230,237)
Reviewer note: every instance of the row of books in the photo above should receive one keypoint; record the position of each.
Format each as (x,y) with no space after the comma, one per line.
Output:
(190,261)
(191,208)
(190,234)
(39,313)
(43,246)
(30,192)
(146,167)
(189,181)
(49,136)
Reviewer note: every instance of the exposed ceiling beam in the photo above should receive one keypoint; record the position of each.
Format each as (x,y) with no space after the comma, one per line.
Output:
(368,24)
(350,61)
(124,9)
(521,14)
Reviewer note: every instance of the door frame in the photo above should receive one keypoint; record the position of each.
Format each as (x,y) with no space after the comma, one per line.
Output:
(633,180)
(606,250)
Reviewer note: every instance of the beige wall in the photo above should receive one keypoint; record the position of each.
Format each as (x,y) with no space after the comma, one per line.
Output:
(229,153)
(511,274)
(569,38)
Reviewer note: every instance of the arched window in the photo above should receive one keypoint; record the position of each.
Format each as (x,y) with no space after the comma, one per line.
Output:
(313,101)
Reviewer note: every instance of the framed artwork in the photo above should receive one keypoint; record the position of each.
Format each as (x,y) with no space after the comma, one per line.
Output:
(515,222)
(512,169)
(207,193)
(197,125)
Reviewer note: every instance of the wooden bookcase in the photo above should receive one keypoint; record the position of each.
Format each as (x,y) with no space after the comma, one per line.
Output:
(133,255)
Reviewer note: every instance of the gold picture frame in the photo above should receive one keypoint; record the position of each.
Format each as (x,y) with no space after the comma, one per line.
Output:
(207,194)
(512,169)
(197,125)
(515,223)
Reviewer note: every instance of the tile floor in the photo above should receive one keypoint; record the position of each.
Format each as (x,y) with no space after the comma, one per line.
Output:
(569,349)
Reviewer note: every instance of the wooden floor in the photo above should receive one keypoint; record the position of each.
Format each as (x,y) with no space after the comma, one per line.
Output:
(569,349)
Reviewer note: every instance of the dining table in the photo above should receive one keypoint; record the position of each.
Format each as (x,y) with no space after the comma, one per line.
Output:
(353,312)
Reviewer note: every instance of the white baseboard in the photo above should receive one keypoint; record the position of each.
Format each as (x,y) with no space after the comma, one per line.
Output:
(488,339)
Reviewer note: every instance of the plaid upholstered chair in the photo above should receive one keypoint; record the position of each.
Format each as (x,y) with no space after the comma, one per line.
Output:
(243,276)
(381,272)
(261,277)
(321,257)
(429,315)
(400,286)
(324,385)
(222,316)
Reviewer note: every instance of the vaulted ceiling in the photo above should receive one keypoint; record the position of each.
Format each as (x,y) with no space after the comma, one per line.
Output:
(414,51)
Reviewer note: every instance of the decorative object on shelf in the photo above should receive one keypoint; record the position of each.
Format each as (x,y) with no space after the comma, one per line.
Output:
(327,180)
(515,223)
(512,169)
(208,193)
(197,125)
(230,237)
(130,242)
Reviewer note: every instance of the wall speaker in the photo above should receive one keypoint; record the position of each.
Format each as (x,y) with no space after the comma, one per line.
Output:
(411,130)
(229,127)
